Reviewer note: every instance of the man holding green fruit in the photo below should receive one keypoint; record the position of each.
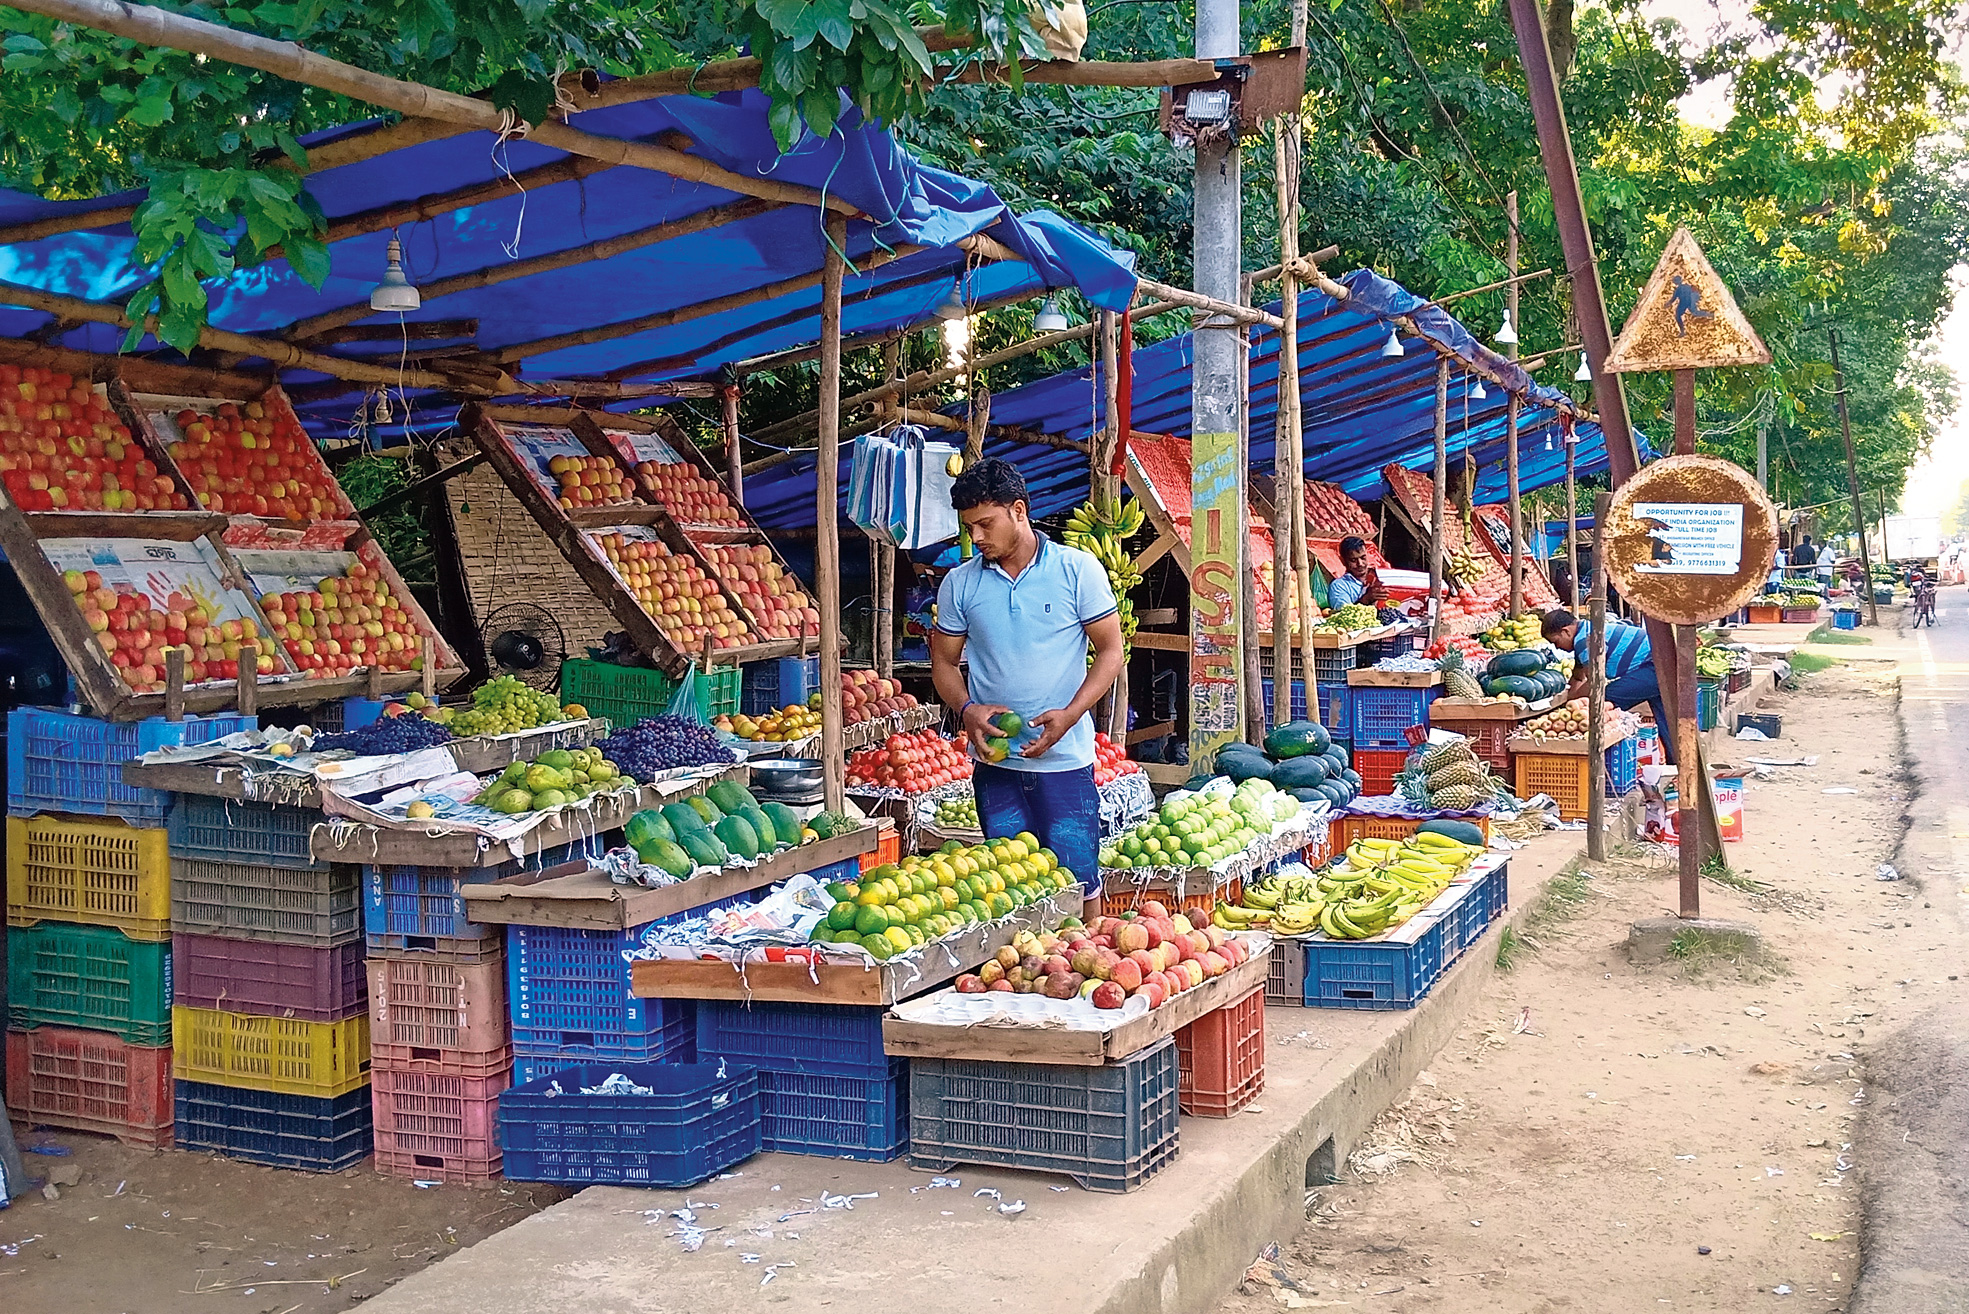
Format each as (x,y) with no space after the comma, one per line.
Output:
(1024,610)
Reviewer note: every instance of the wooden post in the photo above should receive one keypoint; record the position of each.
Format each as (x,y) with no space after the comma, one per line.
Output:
(1689,783)
(1853,484)
(734,457)
(885,609)
(249,686)
(1596,741)
(1302,561)
(174,682)
(1572,522)
(1441,472)
(1106,440)
(1248,642)
(428,651)
(1511,414)
(827,516)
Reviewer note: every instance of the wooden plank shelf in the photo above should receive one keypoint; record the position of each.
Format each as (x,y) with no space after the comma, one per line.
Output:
(799,982)
(574,895)
(1485,709)
(1558,747)
(1366,677)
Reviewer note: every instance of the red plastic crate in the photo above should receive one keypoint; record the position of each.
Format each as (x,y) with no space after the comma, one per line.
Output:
(1487,738)
(420,1003)
(269,978)
(1378,768)
(437,1127)
(91,1081)
(1220,1058)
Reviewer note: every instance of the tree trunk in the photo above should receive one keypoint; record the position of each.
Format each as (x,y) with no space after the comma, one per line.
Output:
(1560,37)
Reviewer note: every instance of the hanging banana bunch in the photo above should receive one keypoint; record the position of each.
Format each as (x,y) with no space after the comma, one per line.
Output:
(1099,527)
(1462,566)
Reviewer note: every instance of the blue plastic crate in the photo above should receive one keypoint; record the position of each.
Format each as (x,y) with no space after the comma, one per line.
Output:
(1623,767)
(1846,618)
(1109,1128)
(700,1120)
(284,1131)
(1337,711)
(833,1039)
(221,830)
(863,1118)
(1298,699)
(676,1043)
(1381,716)
(62,762)
(1497,891)
(1369,975)
(412,904)
(771,685)
(1465,922)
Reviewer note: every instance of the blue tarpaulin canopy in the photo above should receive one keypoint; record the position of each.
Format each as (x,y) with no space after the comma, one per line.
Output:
(900,200)
(1362,410)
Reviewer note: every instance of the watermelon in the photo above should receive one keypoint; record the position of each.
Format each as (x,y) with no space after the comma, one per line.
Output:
(1339,754)
(1308,772)
(1241,767)
(1521,661)
(1297,739)
(1461,831)
(1518,686)
(1309,795)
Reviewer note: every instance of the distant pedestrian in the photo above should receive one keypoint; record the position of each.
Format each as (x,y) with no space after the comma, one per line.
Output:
(1827,560)
(1805,554)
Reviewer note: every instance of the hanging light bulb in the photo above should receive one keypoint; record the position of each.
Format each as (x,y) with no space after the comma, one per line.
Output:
(395,293)
(1393,346)
(1584,374)
(1477,392)
(1049,319)
(1505,333)
(953,307)
(1548,440)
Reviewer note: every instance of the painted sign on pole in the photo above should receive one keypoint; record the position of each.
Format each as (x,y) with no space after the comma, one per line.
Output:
(1216,571)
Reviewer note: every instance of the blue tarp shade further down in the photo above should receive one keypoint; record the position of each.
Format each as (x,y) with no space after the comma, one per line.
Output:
(905,201)
(1362,411)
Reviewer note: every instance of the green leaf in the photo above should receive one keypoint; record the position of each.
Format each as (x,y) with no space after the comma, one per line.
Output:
(309,257)
(21,63)
(21,41)
(292,149)
(181,286)
(208,253)
(179,326)
(784,117)
(529,97)
(534,10)
(140,305)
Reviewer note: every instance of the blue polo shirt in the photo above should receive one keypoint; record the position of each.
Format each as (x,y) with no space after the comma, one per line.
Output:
(1627,647)
(1026,638)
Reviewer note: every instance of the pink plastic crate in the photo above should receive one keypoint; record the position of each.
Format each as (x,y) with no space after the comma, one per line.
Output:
(269,978)
(422,1003)
(435,1126)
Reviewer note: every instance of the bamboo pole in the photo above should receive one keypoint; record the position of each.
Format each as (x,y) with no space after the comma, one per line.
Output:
(827,516)
(1249,643)
(1436,501)
(1223,309)
(734,453)
(158,27)
(587,91)
(1101,481)
(1088,73)
(1596,747)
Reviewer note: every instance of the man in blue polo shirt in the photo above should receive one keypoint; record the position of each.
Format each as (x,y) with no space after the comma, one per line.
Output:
(1024,610)
(1631,678)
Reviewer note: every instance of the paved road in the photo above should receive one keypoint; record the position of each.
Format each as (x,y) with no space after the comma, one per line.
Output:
(1914,1142)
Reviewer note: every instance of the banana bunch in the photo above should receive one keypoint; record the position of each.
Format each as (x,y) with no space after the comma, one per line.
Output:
(1463,569)
(1099,527)
(1378,884)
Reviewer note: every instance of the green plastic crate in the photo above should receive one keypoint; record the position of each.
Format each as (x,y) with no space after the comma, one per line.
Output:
(63,974)
(628,694)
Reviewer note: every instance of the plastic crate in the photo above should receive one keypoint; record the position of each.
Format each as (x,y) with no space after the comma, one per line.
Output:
(282,1131)
(1846,618)
(1373,975)
(771,685)
(1497,891)
(835,1117)
(1761,614)
(1337,710)
(269,978)
(1465,921)
(1489,740)
(288,1055)
(417,907)
(62,762)
(1623,767)
(888,848)
(1330,665)
(1803,615)
(220,830)
(90,1081)
(628,694)
(676,1043)
(65,975)
(427,1008)
(288,905)
(569,994)
(1382,716)
(1562,775)
(1220,1058)
(1119,897)
(101,873)
(1285,979)
(1110,1128)
(698,1120)
(432,1125)
(836,1039)
(1709,705)
(1298,700)
(1378,768)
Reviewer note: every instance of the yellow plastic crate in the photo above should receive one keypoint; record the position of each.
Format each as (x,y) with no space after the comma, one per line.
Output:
(98,872)
(283,1054)
(1562,775)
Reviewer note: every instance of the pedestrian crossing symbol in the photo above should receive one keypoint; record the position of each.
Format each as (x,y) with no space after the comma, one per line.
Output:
(1685,319)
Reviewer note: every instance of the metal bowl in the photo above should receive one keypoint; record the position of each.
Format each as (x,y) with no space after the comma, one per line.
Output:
(786,776)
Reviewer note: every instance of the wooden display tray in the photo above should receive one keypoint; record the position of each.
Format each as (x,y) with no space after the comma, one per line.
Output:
(479,755)
(845,983)
(1558,747)
(574,895)
(385,847)
(1087,1049)
(1484,709)
(1368,677)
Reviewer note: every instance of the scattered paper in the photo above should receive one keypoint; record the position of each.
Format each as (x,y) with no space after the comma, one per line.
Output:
(1839,789)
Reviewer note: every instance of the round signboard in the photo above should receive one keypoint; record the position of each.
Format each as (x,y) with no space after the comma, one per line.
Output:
(1689,539)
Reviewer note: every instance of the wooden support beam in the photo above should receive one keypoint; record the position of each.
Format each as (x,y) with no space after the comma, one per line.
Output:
(1185,297)
(827,516)
(587,91)
(571,169)
(411,492)
(1441,472)
(416,330)
(493,275)
(1088,73)
(142,375)
(158,27)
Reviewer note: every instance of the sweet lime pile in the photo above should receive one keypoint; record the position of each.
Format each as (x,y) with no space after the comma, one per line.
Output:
(900,905)
(958,813)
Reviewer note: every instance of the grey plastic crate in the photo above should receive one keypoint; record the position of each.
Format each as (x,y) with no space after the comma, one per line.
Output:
(1285,979)
(1109,1128)
(222,830)
(287,905)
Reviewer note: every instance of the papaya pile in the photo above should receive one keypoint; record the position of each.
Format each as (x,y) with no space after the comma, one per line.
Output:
(711,829)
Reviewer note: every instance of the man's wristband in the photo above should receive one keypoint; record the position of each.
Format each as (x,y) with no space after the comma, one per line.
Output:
(968,704)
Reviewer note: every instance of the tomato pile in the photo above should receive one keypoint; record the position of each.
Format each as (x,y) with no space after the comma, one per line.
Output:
(345,622)
(134,632)
(687,495)
(589,481)
(772,595)
(63,449)
(914,763)
(676,593)
(1111,760)
(252,460)
(1473,652)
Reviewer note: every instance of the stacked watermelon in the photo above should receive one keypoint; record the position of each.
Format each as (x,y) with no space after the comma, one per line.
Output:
(1528,673)
(1302,759)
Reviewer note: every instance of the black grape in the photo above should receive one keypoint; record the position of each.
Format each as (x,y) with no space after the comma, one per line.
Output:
(662,743)
(386,735)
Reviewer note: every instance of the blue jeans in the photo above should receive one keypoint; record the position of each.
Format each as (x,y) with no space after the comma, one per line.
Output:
(1063,808)
(1644,686)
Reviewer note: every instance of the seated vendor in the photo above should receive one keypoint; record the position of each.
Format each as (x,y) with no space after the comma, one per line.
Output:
(1361,583)
(1631,678)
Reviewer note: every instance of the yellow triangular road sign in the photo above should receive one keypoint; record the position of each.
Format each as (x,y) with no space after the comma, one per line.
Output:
(1686,319)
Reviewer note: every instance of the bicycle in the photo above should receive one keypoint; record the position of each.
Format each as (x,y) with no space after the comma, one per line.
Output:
(1924,604)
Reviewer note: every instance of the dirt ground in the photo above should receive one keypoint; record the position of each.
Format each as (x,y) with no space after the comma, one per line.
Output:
(1609,1135)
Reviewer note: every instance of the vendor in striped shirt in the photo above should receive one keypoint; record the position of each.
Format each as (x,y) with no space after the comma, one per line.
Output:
(1631,678)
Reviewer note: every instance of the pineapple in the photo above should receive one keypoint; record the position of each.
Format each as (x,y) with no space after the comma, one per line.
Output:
(1457,773)
(1442,755)
(1456,797)
(1457,680)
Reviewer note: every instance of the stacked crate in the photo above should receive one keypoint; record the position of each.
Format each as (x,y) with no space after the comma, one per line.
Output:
(89,912)
(826,1087)
(271,1016)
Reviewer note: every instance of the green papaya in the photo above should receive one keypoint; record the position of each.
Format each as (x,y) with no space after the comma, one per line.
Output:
(1462,831)
(762,827)
(786,822)
(667,855)
(683,819)
(710,812)
(737,835)
(730,796)
(1308,772)
(1297,739)
(647,825)
(1519,661)
(704,848)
